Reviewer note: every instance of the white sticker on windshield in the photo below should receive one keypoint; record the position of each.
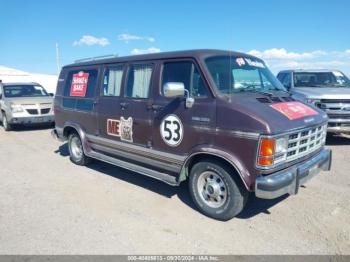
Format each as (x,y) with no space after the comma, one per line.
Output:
(254,63)
(240,61)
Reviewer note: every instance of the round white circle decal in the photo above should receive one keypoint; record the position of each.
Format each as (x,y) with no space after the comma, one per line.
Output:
(171,130)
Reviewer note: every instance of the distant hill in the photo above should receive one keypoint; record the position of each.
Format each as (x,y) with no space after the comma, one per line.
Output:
(8,74)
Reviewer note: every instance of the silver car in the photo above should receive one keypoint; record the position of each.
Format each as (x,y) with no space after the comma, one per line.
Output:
(23,104)
(326,89)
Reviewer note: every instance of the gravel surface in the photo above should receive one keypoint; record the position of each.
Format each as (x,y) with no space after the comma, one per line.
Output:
(50,206)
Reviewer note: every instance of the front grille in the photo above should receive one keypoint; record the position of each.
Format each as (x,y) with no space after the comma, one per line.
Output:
(45,111)
(305,142)
(32,111)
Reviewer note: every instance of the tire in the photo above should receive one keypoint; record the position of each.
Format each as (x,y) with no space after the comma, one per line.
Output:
(215,191)
(5,123)
(76,152)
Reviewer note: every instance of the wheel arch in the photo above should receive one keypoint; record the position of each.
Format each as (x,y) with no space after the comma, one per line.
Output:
(234,165)
(74,127)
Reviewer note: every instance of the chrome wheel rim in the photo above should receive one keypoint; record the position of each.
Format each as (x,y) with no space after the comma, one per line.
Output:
(212,189)
(76,147)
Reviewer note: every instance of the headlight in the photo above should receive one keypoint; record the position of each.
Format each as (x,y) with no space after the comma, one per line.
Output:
(281,145)
(312,101)
(16,108)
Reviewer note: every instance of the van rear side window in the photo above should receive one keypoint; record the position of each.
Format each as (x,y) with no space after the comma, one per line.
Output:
(139,80)
(112,81)
(79,90)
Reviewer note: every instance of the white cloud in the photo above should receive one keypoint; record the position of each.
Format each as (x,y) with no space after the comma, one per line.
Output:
(128,37)
(137,51)
(91,40)
(281,53)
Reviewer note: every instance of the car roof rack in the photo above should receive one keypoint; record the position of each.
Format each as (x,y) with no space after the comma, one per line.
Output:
(95,58)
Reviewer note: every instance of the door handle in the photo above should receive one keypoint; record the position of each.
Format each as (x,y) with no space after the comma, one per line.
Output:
(155,107)
(124,105)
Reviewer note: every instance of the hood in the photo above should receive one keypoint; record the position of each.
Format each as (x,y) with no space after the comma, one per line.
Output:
(322,92)
(30,100)
(251,112)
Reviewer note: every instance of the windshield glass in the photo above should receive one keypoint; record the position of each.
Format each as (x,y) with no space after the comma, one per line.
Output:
(321,79)
(24,91)
(241,74)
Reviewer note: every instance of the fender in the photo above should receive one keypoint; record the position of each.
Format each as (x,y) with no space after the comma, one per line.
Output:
(228,157)
(81,133)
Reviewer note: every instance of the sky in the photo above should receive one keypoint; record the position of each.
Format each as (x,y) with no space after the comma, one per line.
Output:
(286,34)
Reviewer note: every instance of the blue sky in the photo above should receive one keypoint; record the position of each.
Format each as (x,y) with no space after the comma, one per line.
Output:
(285,34)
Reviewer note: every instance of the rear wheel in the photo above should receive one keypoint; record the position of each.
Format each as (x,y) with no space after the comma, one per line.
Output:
(76,150)
(215,191)
(5,123)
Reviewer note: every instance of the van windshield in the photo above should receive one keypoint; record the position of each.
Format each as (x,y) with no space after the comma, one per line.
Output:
(24,91)
(321,79)
(233,74)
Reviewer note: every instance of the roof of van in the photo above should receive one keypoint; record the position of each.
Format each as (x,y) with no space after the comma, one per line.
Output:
(163,55)
(309,70)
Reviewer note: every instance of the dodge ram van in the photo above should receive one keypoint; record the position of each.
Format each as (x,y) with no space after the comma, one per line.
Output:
(218,119)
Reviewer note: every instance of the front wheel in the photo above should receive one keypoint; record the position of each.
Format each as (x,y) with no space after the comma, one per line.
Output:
(5,123)
(76,150)
(215,191)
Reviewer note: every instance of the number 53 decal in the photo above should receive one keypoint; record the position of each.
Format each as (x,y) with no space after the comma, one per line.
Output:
(171,130)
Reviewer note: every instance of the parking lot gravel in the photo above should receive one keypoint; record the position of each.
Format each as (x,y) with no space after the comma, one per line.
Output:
(50,206)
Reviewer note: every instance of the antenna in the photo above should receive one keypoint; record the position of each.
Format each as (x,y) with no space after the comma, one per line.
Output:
(57,59)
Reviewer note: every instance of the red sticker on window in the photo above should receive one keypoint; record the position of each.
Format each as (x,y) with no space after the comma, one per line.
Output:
(79,84)
(294,110)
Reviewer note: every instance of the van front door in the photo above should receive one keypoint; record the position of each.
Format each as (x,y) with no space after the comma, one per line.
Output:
(177,129)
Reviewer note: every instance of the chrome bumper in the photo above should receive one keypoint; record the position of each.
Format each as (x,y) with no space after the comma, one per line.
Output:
(288,181)
(338,129)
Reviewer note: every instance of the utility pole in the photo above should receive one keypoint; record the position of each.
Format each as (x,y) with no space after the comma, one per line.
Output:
(57,59)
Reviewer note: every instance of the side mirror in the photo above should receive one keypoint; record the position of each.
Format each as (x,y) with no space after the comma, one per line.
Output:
(51,94)
(174,89)
(177,89)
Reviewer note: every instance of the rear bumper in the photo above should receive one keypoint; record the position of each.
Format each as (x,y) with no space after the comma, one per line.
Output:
(288,181)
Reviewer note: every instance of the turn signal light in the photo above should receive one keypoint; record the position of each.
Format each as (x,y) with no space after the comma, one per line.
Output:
(265,161)
(267,147)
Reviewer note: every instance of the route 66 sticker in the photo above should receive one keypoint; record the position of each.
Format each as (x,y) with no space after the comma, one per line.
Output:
(171,130)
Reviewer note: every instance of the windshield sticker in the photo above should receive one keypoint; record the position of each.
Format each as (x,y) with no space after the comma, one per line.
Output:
(294,110)
(254,63)
(79,84)
(240,61)
(120,128)
(171,130)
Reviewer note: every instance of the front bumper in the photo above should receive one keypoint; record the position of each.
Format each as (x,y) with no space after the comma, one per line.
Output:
(288,181)
(32,120)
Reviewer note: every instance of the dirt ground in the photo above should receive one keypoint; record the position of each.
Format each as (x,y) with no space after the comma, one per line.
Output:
(50,206)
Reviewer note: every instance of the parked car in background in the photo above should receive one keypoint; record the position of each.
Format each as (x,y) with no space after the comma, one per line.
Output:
(219,119)
(328,90)
(24,104)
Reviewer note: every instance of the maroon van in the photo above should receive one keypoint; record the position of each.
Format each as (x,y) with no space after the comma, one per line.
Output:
(217,118)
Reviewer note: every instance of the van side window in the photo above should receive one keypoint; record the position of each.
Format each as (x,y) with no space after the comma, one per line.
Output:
(79,90)
(186,73)
(139,80)
(112,81)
